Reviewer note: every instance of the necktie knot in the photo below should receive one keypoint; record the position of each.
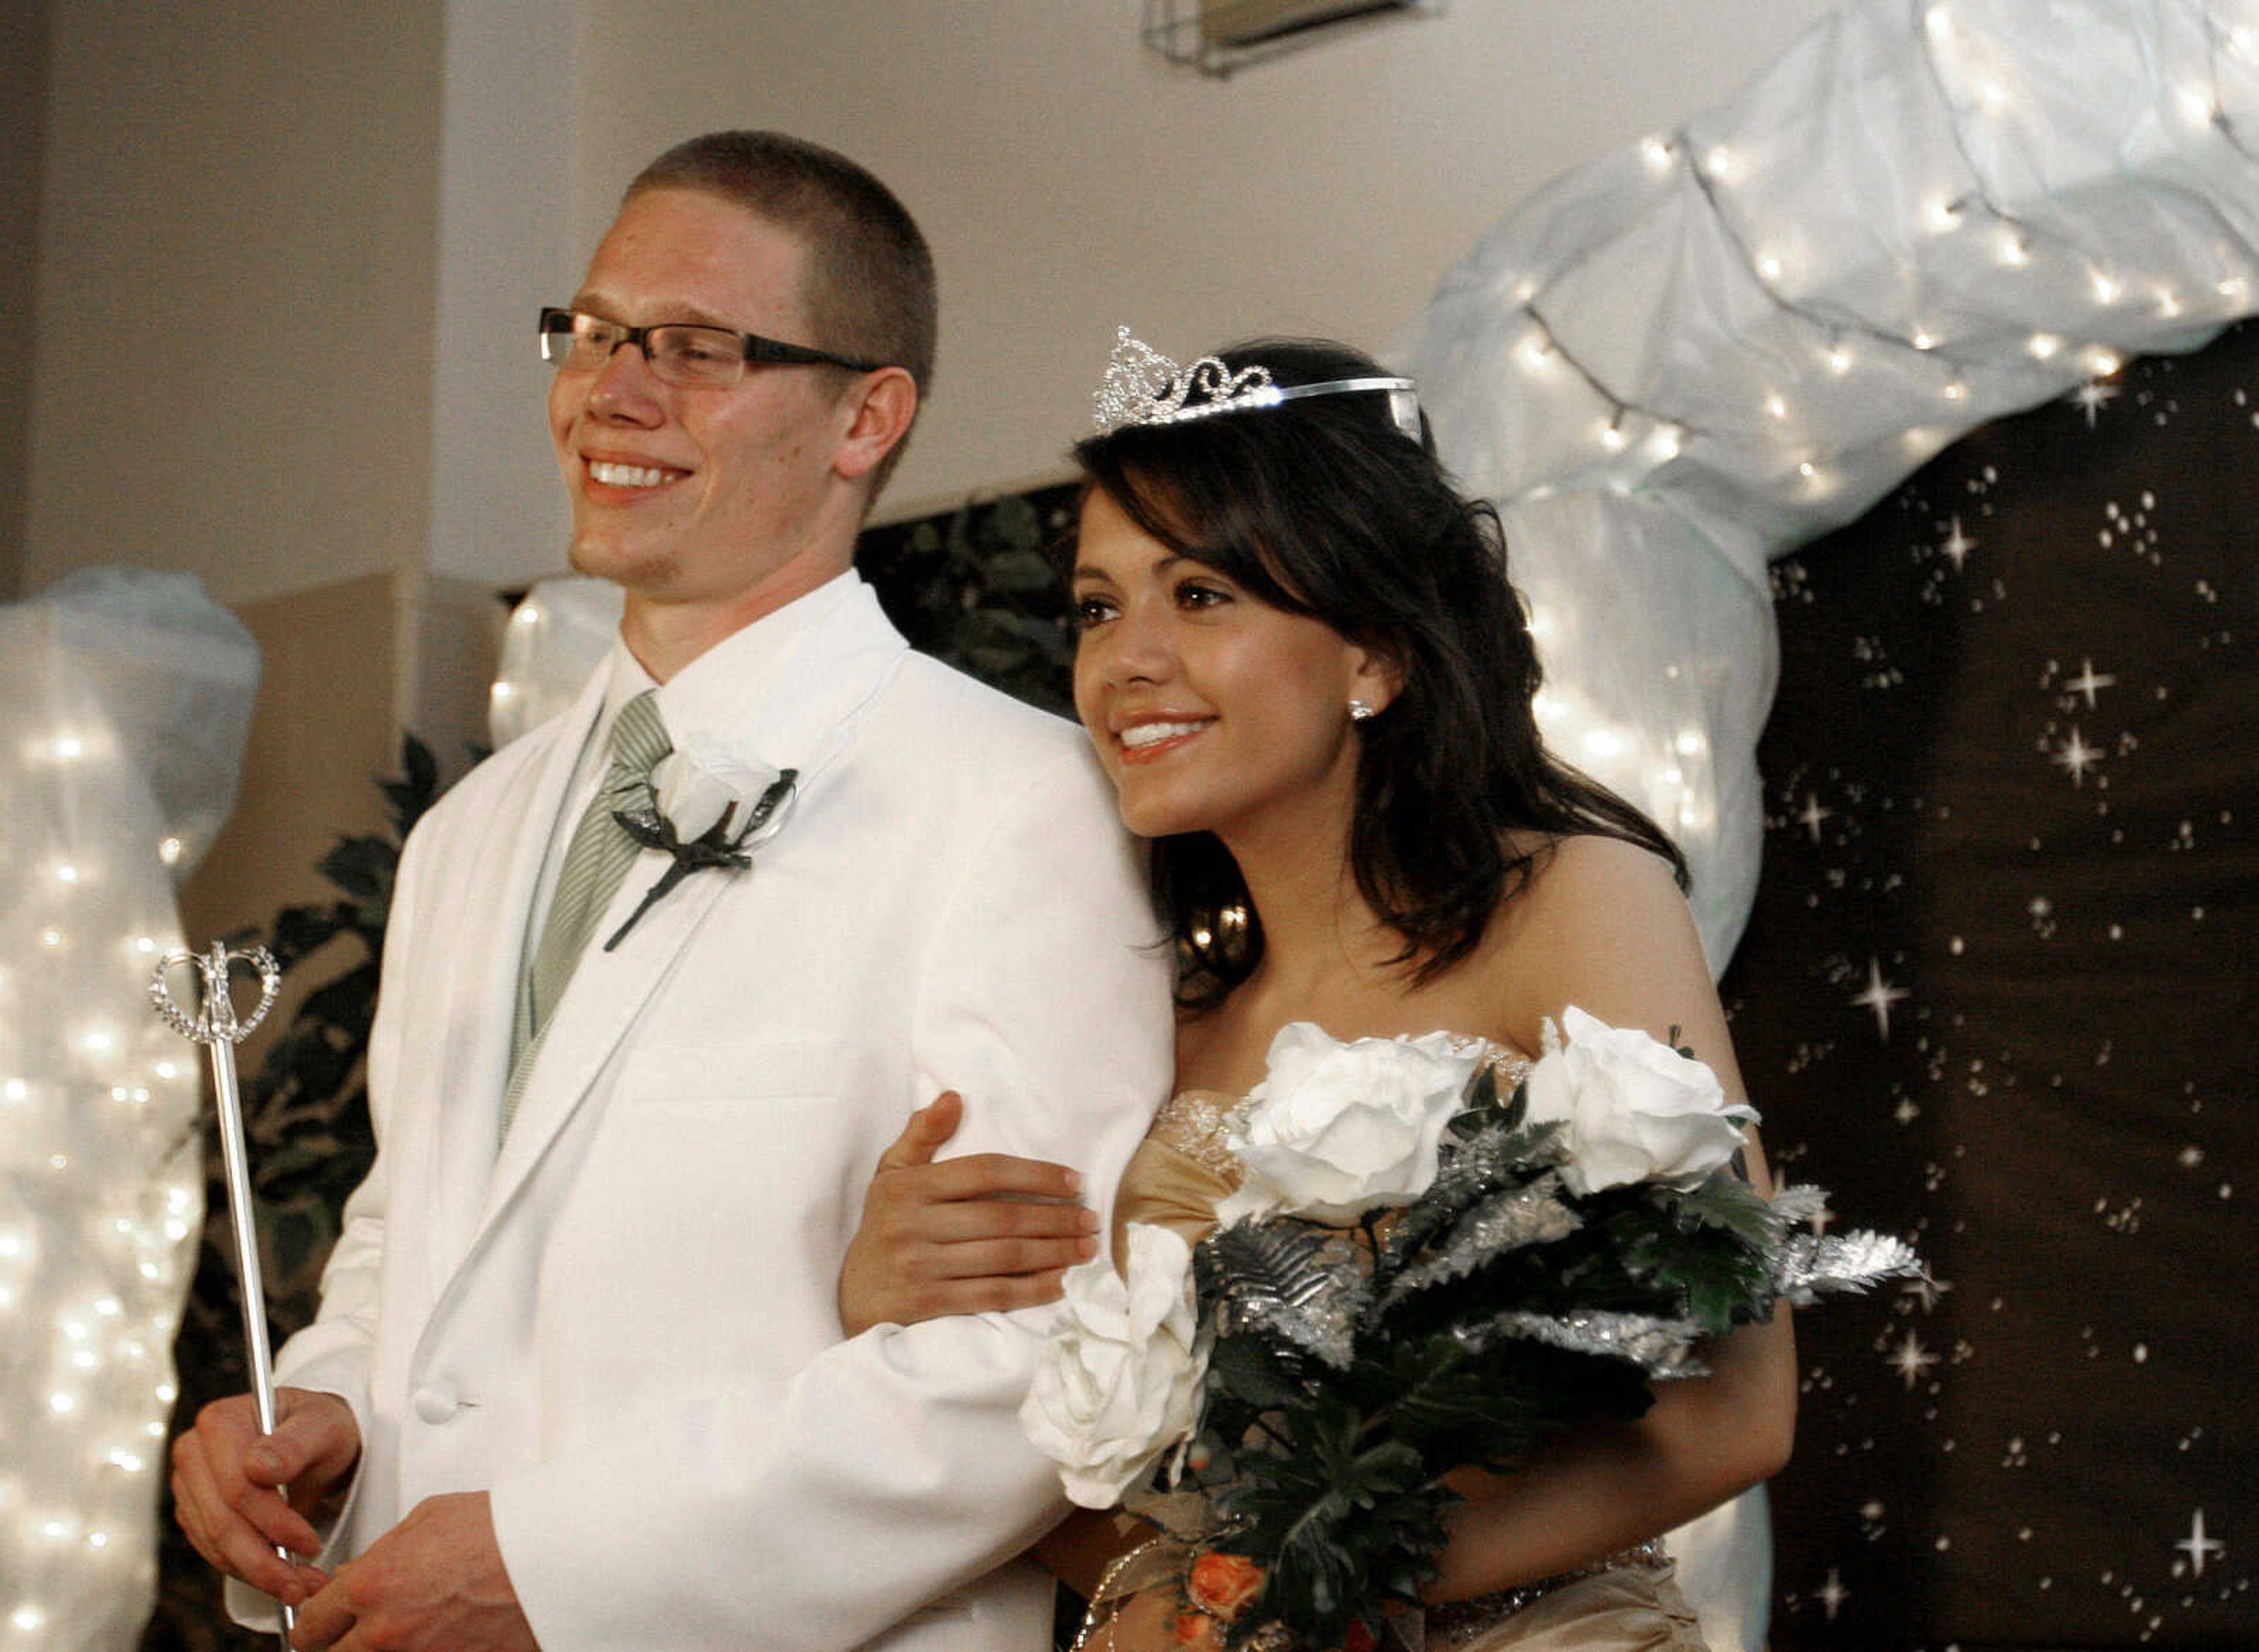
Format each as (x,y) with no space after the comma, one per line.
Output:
(639,737)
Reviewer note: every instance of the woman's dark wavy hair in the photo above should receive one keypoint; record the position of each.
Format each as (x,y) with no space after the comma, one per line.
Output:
(1323,507)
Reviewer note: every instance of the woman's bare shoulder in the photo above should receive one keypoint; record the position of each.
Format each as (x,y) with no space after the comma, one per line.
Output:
(1595,914)
(1589,881)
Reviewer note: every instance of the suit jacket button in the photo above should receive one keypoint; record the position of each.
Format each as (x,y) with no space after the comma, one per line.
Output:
(434,1404)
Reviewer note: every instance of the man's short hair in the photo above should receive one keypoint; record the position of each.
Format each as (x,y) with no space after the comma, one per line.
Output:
(870,284)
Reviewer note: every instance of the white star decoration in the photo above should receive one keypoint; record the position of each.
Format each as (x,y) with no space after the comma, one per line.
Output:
(2073,757)
(1910,1359)
(2088,680)
(1956,547)
(1879,997)
(1814,813)
(1928,1290)
(2093,396)
(2198,1546)
(1832,1594)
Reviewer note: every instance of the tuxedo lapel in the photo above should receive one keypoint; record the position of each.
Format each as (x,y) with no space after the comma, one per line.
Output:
(802,715)
(463,1010)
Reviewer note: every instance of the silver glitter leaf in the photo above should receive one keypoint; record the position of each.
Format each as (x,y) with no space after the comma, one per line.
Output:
(1496,1158)
(1807,1266)
(1507,1220)
(1303,1284)
(1659,1347)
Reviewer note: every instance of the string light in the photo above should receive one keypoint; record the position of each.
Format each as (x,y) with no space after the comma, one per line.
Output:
(100,1211)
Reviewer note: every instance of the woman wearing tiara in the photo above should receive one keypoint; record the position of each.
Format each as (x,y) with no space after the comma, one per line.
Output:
(1305,671)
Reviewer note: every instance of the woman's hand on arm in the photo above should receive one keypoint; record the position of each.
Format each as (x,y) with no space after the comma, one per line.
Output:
(985,1233)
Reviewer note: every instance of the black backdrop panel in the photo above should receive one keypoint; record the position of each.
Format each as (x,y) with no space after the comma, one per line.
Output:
(1997,995)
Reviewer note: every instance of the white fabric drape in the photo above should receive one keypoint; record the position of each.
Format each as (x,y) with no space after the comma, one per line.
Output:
(124,698)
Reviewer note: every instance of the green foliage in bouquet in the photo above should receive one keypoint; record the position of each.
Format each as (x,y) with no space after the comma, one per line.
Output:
(1351,1369)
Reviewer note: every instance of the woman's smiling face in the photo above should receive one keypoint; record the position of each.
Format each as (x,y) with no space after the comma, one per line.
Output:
(1212,710)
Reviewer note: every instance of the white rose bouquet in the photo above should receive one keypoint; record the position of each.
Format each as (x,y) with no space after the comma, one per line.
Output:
(1415,1274)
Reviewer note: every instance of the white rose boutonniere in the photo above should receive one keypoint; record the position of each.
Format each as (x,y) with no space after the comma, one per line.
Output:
(701,786)
(1119,1381)
(1336,1131)
(1633,1109)
(705,807)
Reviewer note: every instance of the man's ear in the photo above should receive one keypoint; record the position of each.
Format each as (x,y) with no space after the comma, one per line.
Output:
(883,407)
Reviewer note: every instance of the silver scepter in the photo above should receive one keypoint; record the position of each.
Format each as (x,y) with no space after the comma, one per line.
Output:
(217,1027)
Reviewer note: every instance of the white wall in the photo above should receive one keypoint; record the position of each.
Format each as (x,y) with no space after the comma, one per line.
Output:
(403,181)
(1071,180)
(233,368)
(23,110)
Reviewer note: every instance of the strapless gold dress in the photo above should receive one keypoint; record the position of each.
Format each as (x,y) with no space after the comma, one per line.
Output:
(1628,1602)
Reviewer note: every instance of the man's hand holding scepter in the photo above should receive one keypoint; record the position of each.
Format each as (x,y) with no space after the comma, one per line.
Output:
(229,1472)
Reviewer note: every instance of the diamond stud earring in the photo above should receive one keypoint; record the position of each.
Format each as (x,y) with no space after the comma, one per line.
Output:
(1360,710)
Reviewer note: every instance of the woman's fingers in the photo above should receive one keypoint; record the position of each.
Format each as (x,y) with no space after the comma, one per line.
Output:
(923,1136)
(955,1223)
(992,1294)
(1007,1258)
(978,1234)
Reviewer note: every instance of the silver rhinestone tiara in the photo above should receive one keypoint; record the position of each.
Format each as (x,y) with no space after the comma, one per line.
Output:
(1143,387)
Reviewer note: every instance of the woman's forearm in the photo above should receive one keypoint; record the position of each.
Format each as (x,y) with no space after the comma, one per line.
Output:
(1607,1488)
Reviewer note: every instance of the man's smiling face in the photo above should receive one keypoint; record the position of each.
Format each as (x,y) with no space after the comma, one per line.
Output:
(713,498)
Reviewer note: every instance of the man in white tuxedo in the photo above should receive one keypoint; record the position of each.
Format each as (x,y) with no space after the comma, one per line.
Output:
(578,1380)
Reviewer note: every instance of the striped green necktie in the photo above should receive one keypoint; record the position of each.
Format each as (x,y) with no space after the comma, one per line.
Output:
(596,862)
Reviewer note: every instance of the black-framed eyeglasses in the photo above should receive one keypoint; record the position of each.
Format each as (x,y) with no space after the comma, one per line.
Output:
(680,353)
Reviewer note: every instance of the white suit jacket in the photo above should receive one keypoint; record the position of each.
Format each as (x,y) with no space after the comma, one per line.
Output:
(625,1327)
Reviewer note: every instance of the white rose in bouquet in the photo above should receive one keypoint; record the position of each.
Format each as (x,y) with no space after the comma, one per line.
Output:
(701,782)
(1120,1380)
(1634,1108)
(1336,1131)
